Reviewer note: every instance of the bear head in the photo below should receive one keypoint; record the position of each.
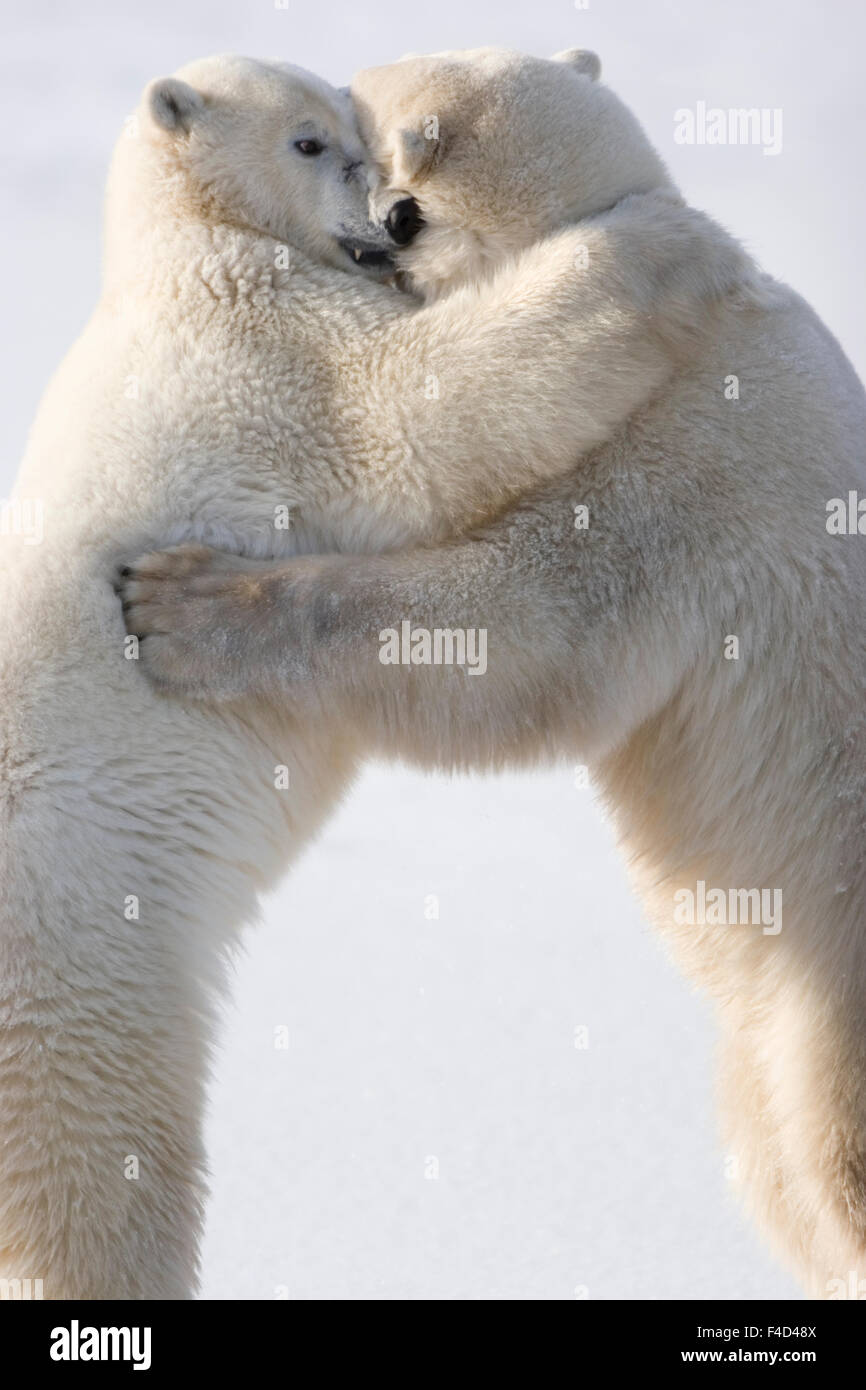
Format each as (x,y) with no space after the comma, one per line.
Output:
(264,146)
(499,150)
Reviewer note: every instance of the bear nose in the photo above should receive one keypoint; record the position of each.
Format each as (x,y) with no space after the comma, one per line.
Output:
(404,221)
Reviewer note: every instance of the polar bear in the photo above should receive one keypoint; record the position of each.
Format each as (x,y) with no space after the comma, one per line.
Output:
(698,640)
(234,376)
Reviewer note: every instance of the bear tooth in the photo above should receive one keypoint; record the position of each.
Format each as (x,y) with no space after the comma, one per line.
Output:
(357,253)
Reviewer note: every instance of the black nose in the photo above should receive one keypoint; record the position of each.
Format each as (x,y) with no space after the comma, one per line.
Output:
(404,221)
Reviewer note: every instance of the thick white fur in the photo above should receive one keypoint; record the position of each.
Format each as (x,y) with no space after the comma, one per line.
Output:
(707,520)
(211,388)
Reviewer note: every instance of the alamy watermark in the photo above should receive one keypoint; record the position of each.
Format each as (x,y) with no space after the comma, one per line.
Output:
(716,125)
(439,646)
(729,907)
(846,516)
(853,1288)
(23,517)
(21,1290)
(77,1343)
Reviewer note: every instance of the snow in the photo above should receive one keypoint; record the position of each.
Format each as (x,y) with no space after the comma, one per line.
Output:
(563,1171)
(411,1039)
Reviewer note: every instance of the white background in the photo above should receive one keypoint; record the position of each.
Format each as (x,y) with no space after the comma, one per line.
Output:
(453,1039)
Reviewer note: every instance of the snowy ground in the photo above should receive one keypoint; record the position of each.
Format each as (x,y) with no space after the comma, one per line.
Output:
(451,1042)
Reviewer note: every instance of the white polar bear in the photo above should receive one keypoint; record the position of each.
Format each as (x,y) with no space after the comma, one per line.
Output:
(700,643)
(233,375)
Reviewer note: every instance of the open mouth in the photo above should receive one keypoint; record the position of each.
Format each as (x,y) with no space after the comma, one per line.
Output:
(370,256)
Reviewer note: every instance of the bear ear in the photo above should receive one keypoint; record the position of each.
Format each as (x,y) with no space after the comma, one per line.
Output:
(582,60)
(173,105)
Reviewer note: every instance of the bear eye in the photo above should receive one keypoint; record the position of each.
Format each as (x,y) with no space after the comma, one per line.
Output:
(309,147)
